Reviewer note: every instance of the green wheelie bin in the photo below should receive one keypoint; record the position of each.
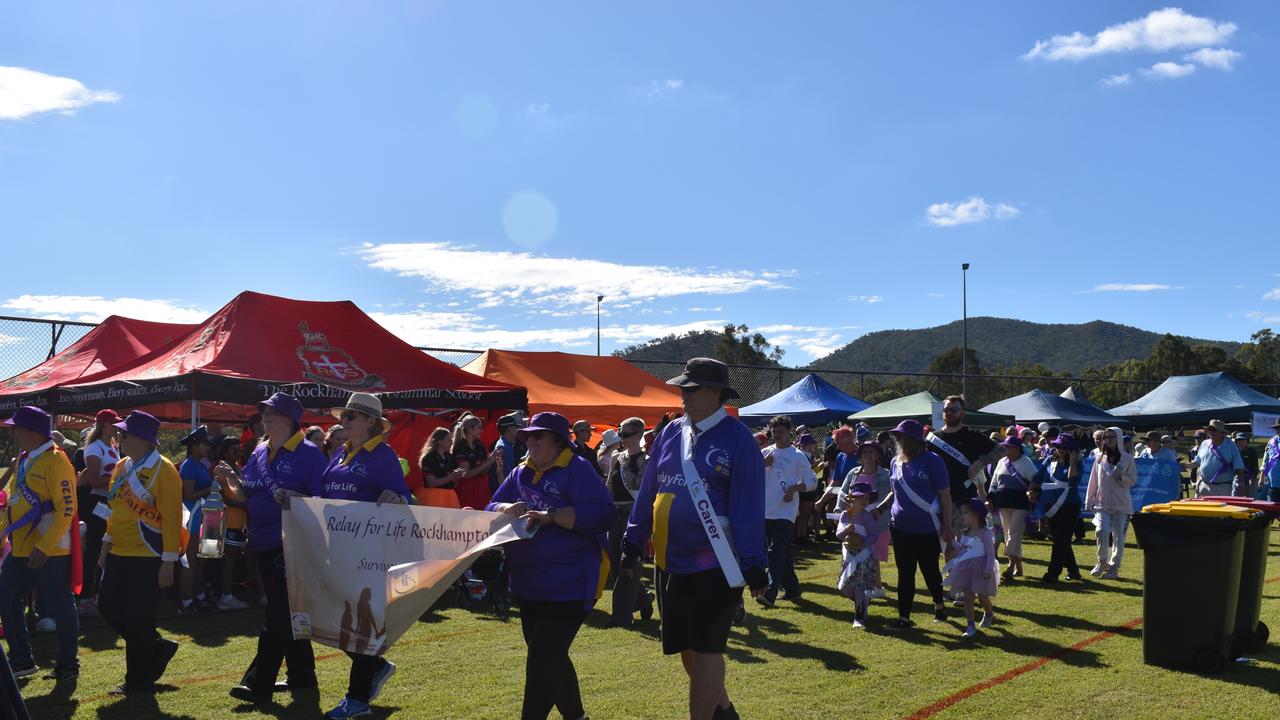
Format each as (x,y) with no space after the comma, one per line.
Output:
(1191,582)
(1251,632)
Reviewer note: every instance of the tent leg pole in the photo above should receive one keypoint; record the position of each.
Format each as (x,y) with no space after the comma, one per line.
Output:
(195,415)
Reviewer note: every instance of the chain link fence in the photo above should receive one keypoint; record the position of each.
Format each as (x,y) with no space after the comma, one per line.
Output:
(25,342)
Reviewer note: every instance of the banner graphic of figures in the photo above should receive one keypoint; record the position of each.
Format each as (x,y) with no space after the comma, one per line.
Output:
(361,574)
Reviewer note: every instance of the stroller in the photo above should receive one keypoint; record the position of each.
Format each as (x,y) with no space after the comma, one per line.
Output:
(485,582)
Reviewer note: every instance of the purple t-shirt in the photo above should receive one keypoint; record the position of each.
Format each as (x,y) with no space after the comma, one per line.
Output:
(366,476)
(926,476)
(297,466)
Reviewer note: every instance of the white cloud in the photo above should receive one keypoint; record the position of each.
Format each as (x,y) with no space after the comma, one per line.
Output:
(498,277)
(1272,294)
(94,308)
(1217,58)
(869,299)
(10,340)
(809,340)
(663,88)
(973,210)
(1161,30)
(1134,287)
(26,92)
(1116,80)
(1168,70)
(1263,317)
(935,295)
(469,330)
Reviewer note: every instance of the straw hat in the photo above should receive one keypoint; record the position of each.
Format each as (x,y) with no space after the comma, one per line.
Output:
(368,404)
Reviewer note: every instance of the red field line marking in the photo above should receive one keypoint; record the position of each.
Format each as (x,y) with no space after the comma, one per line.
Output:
(972,690)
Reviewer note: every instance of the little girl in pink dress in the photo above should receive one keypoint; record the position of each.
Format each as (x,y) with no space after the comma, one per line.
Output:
(973,569)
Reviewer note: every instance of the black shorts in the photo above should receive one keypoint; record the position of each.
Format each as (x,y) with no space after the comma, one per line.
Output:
(697,611)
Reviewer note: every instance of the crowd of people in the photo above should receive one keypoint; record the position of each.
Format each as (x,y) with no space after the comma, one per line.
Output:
(111,525)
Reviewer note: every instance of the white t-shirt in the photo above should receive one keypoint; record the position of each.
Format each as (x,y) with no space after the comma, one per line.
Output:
(108,456)
(790,466)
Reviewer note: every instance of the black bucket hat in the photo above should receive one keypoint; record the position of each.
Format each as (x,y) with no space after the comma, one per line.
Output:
(705,372)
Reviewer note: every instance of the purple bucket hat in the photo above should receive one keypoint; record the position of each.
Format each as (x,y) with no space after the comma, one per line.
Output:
(31,418)
(910,428)
(284,404)
(141,425)
(551,422)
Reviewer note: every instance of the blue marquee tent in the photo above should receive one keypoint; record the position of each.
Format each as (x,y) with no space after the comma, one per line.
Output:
(811,401)
(1188,399)
(1040,406)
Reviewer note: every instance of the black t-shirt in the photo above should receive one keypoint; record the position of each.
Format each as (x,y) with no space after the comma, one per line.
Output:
(973,445)
(588,453)
(469,456)
(436,465)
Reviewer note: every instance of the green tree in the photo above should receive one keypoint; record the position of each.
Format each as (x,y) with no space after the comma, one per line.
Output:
(737,345)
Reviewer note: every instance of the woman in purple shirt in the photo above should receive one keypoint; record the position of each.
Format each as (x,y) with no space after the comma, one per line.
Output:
(920,519)
(284,465)
(557,575)
(368,471)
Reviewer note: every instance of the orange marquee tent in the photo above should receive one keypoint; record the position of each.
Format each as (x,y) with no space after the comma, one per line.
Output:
(601,390)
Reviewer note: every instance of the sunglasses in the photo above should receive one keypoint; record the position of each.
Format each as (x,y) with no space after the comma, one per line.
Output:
(350,415)
(625,435)
(951,411)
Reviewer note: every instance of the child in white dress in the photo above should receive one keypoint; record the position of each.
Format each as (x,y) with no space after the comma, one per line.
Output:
(857,530)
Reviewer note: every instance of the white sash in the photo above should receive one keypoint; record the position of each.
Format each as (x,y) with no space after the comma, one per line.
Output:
(947,448)
(1055,485)
(933,509)
(717,533)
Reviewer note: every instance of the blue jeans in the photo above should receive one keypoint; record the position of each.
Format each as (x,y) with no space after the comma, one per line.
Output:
(53,580)
(782,572)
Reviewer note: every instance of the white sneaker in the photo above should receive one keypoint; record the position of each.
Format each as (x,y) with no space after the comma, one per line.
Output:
(1098,570)
(876,593)
(969,632)
(231,602)
(46,625)
(857,624)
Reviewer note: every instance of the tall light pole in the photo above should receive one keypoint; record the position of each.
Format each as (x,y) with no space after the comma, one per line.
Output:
(599,299)
(964,329)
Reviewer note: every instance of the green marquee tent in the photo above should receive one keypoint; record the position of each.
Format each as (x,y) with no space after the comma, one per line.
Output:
(919,407)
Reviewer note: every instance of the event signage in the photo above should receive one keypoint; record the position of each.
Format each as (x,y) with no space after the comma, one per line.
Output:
(1262,423)
(1159,481)
(360,574)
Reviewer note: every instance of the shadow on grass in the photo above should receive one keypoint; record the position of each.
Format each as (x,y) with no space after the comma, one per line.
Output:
(135,707)
(58,704)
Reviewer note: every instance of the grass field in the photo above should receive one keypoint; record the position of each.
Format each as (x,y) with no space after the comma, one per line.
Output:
(1074,649)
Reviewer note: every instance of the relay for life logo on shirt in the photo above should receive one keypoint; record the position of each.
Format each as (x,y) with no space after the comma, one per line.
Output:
(323,363)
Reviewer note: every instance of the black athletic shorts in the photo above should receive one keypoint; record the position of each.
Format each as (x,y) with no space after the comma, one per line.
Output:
(697,611)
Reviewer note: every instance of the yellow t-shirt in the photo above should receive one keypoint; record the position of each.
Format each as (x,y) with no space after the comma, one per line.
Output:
(50,476)
(146,511)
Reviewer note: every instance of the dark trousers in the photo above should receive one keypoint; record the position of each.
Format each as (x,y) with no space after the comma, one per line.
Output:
(1062,526)
(626,590)
(912,550)
(275,639)
(53,580)
(1274,494)
(360,680)
(95,527)
(550,679)
(782,571)
(128,601)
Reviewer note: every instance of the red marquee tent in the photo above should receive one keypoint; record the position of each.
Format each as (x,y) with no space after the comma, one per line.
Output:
(259,344)
(113,343)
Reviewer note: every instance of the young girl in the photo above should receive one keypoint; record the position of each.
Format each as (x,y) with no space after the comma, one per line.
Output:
(858,532)
(973,569)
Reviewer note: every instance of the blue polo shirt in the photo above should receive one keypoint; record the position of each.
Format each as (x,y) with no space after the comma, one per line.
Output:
(362,473)
(197,472)
(1214,470)
(297,465)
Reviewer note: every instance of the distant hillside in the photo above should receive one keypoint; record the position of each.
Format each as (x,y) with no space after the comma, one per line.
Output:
(682,347)
(1002,341)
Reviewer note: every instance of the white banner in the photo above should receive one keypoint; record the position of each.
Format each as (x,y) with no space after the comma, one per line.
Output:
(360,575)
(1262,423)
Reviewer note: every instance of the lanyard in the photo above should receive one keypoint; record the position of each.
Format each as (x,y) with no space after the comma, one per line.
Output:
(133,470)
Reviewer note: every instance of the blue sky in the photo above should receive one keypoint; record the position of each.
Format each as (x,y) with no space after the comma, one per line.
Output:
(475,173)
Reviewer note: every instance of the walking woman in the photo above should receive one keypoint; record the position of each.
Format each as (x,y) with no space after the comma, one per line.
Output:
(1114,473)
(285,465)
(197,484)
(1010,485)
(1060,492)
(368,471)
(143,542)
(100,458)
(559,573)
(470,455)
(440,473)
(919,519)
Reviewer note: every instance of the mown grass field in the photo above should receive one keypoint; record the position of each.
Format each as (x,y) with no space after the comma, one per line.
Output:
(797,661)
